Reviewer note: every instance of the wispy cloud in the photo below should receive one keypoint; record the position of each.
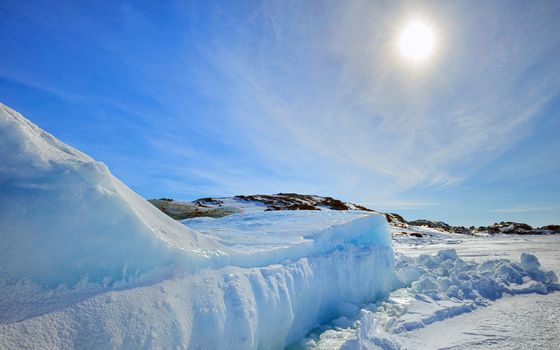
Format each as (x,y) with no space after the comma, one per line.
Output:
(526,208)
(330,86)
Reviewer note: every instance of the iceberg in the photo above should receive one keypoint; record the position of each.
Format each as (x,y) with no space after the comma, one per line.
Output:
(87,263)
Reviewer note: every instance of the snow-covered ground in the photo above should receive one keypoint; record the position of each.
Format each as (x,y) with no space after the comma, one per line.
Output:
(529,321)
(500,309)
(86,263)
(480,248)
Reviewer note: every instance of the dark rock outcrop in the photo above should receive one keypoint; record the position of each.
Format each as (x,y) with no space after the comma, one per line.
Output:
(551,228)
(396,220)
(440,225)
(510,228)
(294,201)
(187,210)
(507,227)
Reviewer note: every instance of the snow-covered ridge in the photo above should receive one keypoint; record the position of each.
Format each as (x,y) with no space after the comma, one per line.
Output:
(65,217)
(264,238)
(87,263)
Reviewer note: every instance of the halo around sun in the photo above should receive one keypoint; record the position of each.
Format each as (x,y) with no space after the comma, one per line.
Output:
(417,41)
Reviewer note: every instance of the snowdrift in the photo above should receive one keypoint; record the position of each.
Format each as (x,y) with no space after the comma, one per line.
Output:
(65,218)
(87,263)
(264,238)
(434,289)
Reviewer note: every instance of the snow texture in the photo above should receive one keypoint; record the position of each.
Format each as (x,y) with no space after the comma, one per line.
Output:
(434,289)
(65,218)
(263,238)
(87,263)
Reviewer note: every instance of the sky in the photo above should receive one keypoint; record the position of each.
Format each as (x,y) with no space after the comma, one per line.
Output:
(189,99)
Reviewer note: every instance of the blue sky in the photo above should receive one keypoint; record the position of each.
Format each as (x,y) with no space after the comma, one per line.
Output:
(215,98)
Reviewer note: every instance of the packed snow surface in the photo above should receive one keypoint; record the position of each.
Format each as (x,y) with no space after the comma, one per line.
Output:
(268,237)
(471,289)
(87,263)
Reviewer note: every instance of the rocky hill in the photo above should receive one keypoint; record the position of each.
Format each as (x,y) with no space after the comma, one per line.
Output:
(294,201)
(179,210)
(518,228)
(496,228)
(219,207)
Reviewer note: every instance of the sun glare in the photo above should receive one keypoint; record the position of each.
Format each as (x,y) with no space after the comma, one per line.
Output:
(417,41)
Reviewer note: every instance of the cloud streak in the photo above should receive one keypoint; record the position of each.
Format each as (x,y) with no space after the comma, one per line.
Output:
(334,89)
(523,209)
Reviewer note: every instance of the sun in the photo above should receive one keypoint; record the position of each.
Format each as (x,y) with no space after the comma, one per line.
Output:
(417,41)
